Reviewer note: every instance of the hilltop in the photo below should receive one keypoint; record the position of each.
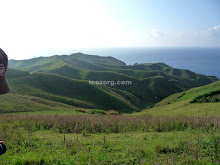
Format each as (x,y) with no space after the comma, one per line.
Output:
(77,60)
(65,79)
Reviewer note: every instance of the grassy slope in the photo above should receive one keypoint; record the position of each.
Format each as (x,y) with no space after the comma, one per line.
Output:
(150,82)
(72,92)
(13,103)
(179,104)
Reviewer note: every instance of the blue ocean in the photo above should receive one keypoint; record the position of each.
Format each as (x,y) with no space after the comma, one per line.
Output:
(200,60)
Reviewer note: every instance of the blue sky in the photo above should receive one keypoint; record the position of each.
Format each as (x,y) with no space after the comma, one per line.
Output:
(169,15)
(32,27)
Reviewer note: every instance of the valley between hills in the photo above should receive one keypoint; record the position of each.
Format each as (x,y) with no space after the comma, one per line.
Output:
(61,83)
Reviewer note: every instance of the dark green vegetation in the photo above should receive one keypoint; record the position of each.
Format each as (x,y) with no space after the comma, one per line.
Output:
(65,79)
(212,97)
(197,101)
(100,139)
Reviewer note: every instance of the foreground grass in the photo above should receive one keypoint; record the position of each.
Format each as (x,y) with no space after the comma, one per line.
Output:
(47,147)
(98,139)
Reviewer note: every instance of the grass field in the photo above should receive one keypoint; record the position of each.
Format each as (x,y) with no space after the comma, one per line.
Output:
(101,139)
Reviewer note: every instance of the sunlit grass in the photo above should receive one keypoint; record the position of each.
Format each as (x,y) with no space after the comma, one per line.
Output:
(139,147)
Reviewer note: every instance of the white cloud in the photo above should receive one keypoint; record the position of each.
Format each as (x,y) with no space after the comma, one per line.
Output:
(215,29)
(157,33)
(213,32)
(209,37)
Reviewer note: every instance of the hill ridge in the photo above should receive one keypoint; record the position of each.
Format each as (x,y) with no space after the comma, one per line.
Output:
(151,82)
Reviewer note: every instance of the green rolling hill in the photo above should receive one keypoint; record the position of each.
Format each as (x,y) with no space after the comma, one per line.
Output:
(65,79)
(202,101)
(73,92)
(78,60)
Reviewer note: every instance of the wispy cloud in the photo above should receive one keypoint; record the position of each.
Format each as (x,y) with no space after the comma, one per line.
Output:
(209,37)
(213,32)
(215,29)
(157,33)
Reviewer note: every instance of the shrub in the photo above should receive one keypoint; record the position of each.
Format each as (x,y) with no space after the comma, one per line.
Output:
(96,111)
(113,112)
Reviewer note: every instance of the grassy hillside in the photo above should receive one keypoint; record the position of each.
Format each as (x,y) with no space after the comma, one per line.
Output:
(146,84)
(73,92)
(66,79)
(203,100)
(13,103)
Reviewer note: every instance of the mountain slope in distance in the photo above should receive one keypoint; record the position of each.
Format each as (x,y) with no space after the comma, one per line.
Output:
(73,92)
(68,77)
